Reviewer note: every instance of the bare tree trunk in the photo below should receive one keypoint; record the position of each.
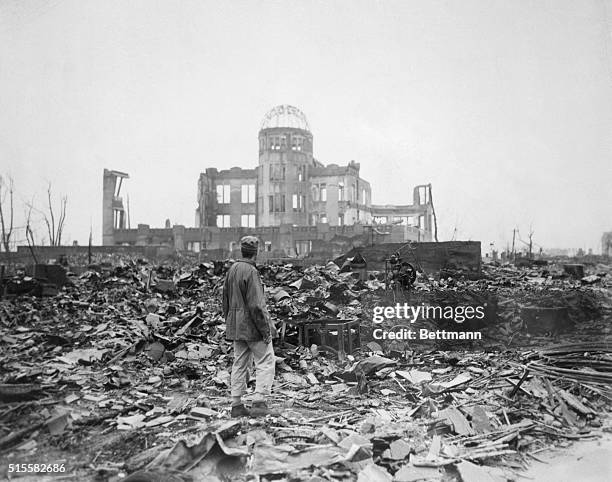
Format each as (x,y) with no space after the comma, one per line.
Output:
(51,227)
(62,219)
(7,231)
(30,236)
(54,230)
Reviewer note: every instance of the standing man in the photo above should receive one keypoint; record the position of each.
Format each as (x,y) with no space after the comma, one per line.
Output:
(250,328)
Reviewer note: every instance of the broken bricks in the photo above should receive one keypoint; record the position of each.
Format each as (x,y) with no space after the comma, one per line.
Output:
(163,379)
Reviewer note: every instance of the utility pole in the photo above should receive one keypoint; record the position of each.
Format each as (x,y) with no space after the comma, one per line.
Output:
(513,237)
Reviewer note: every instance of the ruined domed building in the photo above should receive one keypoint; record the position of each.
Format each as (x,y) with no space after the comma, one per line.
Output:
(290,200)
(291,187)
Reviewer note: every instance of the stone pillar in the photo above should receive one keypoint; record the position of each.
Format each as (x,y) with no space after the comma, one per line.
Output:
(112,205)
(108,222)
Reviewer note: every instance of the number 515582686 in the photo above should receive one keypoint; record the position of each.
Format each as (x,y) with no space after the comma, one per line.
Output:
(37,468)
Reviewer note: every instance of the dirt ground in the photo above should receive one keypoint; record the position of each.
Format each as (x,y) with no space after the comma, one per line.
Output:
(589,461)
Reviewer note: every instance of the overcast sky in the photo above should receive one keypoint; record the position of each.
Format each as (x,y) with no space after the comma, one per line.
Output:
(504,106)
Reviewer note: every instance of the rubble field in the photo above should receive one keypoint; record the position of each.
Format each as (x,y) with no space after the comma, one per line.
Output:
(123,374)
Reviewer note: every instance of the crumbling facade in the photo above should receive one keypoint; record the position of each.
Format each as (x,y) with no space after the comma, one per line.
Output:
(289,186)
(113,211)
(295,204)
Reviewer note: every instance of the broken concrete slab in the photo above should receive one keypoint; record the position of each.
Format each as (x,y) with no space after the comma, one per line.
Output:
(398,450)
(410,473)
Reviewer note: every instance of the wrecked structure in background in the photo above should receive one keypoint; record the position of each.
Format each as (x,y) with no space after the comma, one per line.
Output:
(291,187)
(113,212)
(447,257)
(291,201)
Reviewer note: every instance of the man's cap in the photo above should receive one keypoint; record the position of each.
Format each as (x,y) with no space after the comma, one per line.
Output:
(249,244)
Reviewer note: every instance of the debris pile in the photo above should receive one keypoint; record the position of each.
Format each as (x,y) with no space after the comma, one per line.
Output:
(123,374)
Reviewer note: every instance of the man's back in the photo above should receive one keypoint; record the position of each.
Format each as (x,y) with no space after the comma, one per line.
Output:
(243,303)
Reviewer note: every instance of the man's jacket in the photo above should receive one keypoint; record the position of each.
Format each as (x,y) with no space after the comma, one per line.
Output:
(244,306)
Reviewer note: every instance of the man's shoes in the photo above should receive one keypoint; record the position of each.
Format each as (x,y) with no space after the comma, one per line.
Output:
(260,409)
(240,411)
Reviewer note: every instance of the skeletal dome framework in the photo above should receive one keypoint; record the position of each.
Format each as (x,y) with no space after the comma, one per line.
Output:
(285,116)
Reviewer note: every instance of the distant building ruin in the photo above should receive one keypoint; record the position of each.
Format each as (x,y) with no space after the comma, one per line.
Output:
(290,186)
(113,212)
(295,204)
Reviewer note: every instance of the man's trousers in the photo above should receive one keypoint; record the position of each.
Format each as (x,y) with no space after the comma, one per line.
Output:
(245,352)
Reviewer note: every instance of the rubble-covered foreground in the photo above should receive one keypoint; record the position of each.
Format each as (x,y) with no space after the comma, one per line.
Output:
(127,372)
